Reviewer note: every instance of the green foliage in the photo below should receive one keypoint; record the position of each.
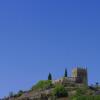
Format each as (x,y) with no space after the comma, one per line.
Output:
(87,98)
(81,91)
(65,75)
(84,94)
(43,84)
(49,76)
(59,91)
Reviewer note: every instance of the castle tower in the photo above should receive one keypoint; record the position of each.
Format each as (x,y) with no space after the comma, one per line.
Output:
(80,74)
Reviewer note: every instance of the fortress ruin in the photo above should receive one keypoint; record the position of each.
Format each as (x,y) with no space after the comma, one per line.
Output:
(79,76)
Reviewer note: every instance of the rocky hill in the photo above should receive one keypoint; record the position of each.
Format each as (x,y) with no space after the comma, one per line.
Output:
(65,88)
(45,90)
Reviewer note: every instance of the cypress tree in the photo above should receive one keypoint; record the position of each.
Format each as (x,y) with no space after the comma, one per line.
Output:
(65,75)
(49,76)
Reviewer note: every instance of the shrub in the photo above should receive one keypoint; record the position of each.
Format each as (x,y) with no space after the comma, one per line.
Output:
(59,91)
(81,91)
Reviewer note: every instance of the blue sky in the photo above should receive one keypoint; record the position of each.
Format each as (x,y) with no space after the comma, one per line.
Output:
(42,36)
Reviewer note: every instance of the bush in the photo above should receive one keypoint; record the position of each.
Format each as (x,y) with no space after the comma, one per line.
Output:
(81,91)
(59,91)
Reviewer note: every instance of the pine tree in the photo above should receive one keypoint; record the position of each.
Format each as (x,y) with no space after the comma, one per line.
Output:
(49,76)
(65,75)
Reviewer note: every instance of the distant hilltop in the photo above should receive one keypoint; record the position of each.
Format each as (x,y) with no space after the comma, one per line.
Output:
(60,89)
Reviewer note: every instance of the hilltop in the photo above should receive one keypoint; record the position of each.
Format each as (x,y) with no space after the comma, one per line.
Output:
(65,88)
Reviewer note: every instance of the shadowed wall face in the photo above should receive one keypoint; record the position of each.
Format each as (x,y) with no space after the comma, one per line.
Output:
(81,74)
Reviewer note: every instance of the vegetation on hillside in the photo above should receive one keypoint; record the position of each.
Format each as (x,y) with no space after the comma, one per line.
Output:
(71,91)
(60,91)
(87,98)
(43,84)
(86,93)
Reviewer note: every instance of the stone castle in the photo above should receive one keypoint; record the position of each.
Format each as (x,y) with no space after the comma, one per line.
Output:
(79,76)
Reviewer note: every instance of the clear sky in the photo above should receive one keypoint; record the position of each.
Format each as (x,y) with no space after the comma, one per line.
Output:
(42,36)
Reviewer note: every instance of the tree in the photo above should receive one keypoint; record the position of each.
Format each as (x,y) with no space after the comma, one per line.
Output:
(49,76)
(65,75)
